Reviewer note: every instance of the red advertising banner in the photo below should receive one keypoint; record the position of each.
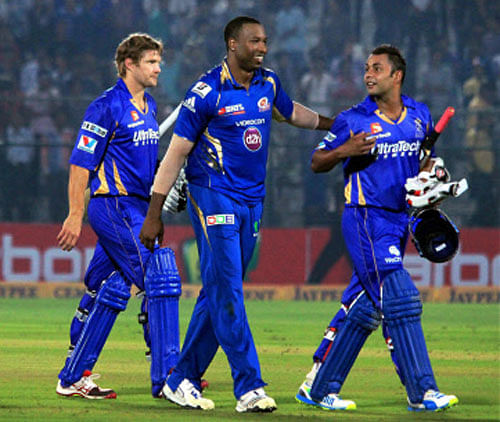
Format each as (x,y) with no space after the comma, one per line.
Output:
(29,253)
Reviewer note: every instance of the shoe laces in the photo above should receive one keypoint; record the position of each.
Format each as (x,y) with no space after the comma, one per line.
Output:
(87,380)
(188,388)
(433,394)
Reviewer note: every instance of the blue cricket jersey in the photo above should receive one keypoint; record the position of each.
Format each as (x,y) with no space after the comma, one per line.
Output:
(378,180)
(118,143)
(230,127)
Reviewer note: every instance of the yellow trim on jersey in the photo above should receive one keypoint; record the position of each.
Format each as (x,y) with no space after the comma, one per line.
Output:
(386,119)
(200,216)
(225,74)
(103,187)
(134,103)
(118,181)
(361,196)
(271,79)
(348,190)
(217,146)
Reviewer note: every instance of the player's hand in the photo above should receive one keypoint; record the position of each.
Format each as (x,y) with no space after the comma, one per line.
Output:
(70,233)
(359,144)
(152,228)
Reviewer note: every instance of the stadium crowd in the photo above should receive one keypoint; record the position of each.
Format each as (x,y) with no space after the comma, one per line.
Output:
(55,57)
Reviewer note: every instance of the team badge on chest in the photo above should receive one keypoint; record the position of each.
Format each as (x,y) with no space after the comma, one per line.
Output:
(263,104)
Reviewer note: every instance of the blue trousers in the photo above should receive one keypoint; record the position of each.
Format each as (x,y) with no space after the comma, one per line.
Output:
(117,222)
(226,233)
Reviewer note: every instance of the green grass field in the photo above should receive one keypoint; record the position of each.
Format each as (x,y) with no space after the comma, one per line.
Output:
(463,342)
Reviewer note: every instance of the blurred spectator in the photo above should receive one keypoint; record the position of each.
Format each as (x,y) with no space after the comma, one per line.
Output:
(170,79)
(21,168)
(483,173)
(438,91)
(473,84)
(291,33)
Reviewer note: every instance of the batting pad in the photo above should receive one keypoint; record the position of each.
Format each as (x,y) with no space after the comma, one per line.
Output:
(163,288)
(402,308)
(362,319)
(110,301)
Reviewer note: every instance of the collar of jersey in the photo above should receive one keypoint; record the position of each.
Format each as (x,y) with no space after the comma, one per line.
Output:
(257,75)
(123,87)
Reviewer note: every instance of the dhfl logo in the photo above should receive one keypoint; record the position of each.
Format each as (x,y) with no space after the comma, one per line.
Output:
(135,115)
(375,128)
(232,110)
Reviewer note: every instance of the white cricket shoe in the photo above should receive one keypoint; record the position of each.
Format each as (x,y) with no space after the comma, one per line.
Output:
(256,401)
(433,401)
(331,401)
(86,387)
(188,396)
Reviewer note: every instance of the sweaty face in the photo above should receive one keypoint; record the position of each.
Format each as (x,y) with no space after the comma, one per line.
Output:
(251,46)
(147,70)
(378,78)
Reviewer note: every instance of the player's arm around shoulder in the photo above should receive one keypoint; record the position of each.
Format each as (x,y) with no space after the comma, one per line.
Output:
(338,144)
(72,226)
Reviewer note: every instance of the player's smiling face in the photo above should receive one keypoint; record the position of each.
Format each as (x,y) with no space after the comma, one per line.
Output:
(378,78)
(251,46)
(147,70)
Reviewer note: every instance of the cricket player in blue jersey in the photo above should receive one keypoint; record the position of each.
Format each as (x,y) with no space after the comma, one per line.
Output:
(377,142)
(223,130)
(116,156)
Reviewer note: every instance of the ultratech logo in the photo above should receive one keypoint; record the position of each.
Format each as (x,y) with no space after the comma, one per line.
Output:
(251,122)
(146,137)
(401,148)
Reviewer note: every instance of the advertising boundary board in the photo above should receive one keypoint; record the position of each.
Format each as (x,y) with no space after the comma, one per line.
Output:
(62,290)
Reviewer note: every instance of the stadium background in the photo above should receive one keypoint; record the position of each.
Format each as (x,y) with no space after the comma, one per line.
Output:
(56,57)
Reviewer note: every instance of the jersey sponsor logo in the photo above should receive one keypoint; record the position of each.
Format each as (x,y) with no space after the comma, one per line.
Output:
(87,144)
(330,137)
(92,127)
(321,145)
(189,104)
(201,88)
(218,219)
(140,122)
(375,127)
(135,115)
(263,104)
(146,137)
(399,148)
(250,122)
(252,139)
(231,110)
(393,250)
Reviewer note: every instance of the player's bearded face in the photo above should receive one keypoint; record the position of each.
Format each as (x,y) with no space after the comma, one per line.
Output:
(378,78)
(251,47)
(147,70)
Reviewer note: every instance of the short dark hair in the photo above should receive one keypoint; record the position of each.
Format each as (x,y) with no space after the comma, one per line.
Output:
(395,56)
(133,47)
(234,26)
